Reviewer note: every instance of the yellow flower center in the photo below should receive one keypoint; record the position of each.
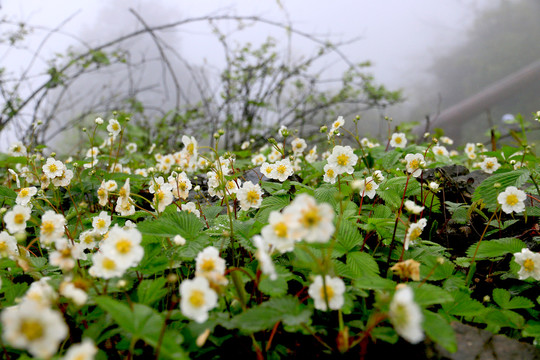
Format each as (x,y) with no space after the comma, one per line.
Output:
(328,294)
(24,192)
(342,159)
(330,173)
(512,199)
(268,170)
(489,165)
(102,193)
(253,196)
(31,329)
(182,185)
(115,126)
(190,148)
(18,218)
(160,196)
(280,229)
(53,168)
(310,217)
(397,140)
(414,164)
(400,316)
(528,264)
(298,145)
(196,298)
(47,227)
(123,192)
(101,223)
(369,186)
(208,265)
(109,264)
(123,246)
(281,169)
(3,247)
(231,185)
(415,233)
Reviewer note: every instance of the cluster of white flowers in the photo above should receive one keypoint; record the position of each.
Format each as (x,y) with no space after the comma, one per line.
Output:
(281,170)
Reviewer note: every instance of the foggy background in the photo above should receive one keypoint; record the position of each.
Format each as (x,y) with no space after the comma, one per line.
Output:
(438,52)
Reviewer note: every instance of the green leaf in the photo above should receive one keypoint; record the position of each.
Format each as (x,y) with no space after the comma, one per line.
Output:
(532,329)
(374,282)
(150,291)
(266,315)
(170,224)
(7,193)
(276,287)
(502,298)
(496,248)
(490,188)
(438,330)
(503,318)
(327,193)
(269,204)
(385,333)
(463,305)
(362,264)
(428,294)
(348,237)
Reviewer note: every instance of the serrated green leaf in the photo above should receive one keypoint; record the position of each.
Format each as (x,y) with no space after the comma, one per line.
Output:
(532,328)
(150,291)
(386,334)
(428,294)
(495,248)
(181,223)
(374,282)
(348,237)
(327,194)
(276,287)
(266,315)
(362,264)
(490,188)
(463,305)
(6,192)
(504,318)
(438,330)
(502,298)
(269,204)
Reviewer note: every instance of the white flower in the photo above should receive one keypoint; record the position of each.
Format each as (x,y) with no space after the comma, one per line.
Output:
(250,196)
(163,197)
(25,195)
(41,293)
(191,207)
(433,186)
(245,145)
(278,232)
(88,239)
(114,127)
(343,159)
(15,177)
(124,246)
(312,155)
(398,140)
(298,146)
(105,266)
(489,165)
(65,255)
(470,148)
(8,245)
(258,159)
(131,147)
(101,222)
(530,264)
(267,170)
(338,123)
(83,351)
(330,173)
(92,152)
(64,179)
(52,227)
(414,232)
(190,145)
(283,131)
(103,195)
(512,200)
(378,176)
(17,149)
(197,298)
(331,291)
(415,162)
(440,150)
(36,329)
(406,315)
(282,170)
(98,121)
(69,290)
(446,140)
(53,168)
(265,261)
(313,222)
(16,218)
(179,240)
(367,187)
(180,185)
(411,207)
(209,261)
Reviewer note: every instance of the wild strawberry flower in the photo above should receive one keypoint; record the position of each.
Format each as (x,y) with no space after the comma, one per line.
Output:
(52,227)
(124,246)
(114,127)
(249,196)
(25,195)
(74,290)
(398,140)
(414,232)
(17,149)
(31,327)
(489,165)
(415,163)
(406,316)
(105,266)
(411,207)
(191,207)
(440,150)
(298,146)
(197,298)
(512,200)
(16,218)
(209,261)
(265,261)
(101,222)
(282,170)
(330,174)
(446,140)
(258,159)
(313,222)
(367,187)
(278,231)
(81,351)
(64,179)
(343,159)
(336,125)
(267,170)
(530,264)
(53,168)
(312,155)
(8,245)
(330,291)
